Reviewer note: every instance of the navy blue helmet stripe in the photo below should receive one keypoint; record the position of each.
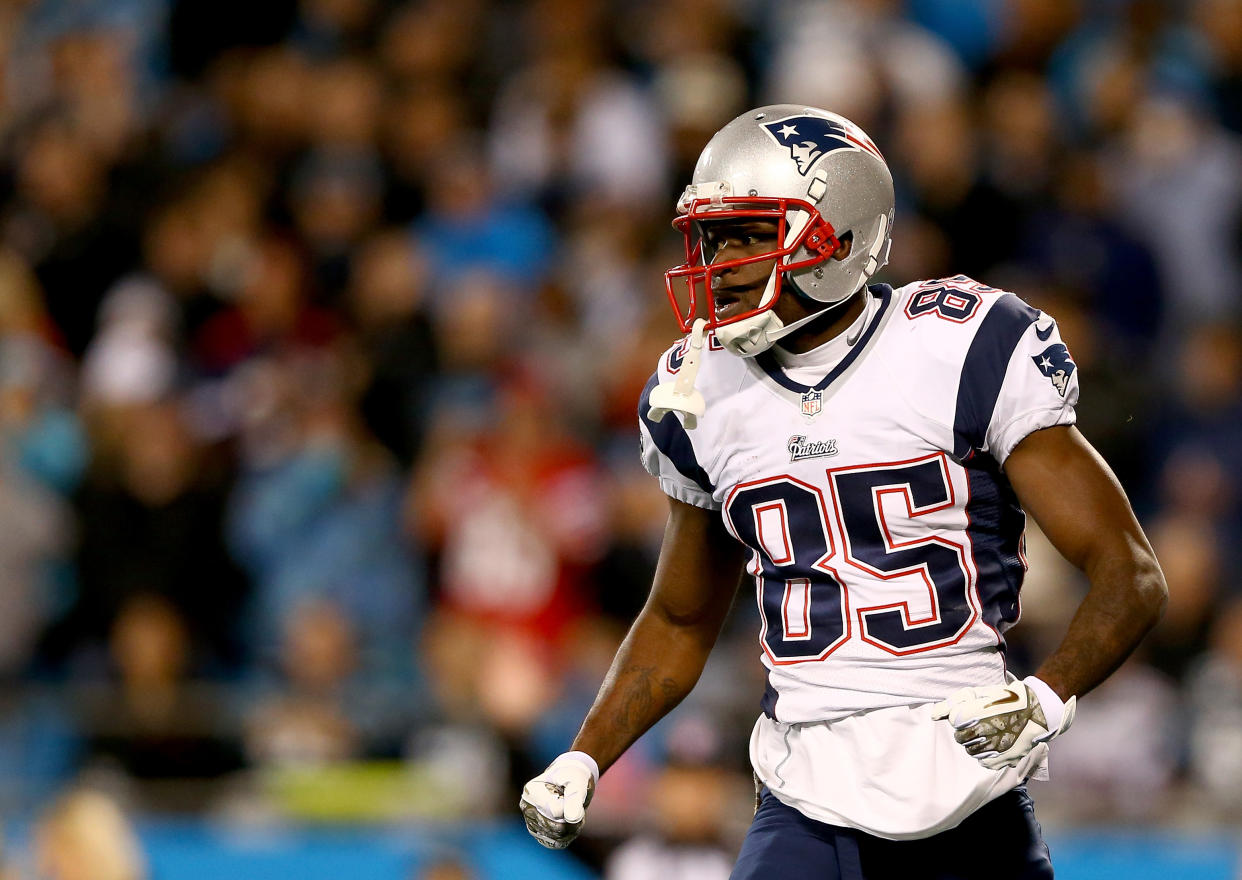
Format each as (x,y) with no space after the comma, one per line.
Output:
(672,440)
(996,527)
(768,362)
(983,370)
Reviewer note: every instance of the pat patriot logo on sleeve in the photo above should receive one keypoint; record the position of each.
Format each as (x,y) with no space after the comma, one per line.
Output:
(800,447)
(1055,363)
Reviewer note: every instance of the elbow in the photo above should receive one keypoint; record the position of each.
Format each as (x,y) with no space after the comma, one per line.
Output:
(1152,589)
(683,623)
(1130,578)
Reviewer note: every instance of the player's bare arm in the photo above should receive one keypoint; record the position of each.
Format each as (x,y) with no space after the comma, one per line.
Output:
(659,663)
(1067,487)
(664,653)
(1072,494)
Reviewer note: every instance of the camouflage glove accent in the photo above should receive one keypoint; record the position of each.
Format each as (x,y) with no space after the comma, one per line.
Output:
(554,802)
(1001,724)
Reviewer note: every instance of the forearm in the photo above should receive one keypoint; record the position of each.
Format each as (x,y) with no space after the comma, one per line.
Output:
(666,648)
(657,665)
(1080,505)
(1126,599)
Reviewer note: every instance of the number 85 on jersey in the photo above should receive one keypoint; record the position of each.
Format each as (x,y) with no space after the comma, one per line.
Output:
(889,540)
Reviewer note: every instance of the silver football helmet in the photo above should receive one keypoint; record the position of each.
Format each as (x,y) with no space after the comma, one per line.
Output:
(820,178)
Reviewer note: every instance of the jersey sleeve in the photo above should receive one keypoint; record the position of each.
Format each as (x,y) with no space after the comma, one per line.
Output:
(1018,377)
(669,455)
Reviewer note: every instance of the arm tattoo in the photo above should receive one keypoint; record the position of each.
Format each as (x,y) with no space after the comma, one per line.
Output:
(645,701)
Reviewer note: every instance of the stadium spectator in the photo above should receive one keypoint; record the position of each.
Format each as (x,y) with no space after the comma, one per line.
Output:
(86,836)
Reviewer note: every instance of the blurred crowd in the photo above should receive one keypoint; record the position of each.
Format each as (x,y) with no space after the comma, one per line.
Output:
(322,325)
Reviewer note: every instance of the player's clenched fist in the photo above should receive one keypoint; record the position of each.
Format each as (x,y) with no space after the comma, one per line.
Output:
(554,802)
(1000,724)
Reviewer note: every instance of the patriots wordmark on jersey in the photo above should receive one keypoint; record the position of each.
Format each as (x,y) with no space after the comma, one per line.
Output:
(885,540)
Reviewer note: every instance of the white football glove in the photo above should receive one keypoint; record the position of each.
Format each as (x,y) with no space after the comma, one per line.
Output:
(554,802)
(1000,724)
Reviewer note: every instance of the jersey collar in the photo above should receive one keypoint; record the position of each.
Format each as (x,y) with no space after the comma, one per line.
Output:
(768,363)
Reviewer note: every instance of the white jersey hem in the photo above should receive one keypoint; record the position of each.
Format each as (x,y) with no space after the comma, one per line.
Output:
(893,773)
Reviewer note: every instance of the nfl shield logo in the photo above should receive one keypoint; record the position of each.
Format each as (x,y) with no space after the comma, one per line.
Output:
(812,402)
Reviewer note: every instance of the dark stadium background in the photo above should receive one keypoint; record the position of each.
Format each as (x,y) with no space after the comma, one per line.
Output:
(322,325)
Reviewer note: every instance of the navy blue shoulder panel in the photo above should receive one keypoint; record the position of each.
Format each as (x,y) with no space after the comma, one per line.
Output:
(983,370)
(672,440)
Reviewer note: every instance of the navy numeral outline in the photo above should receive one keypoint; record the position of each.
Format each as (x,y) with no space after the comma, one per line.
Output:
(858,493)
(859,509)
(953,299)
(823,633)
(947,303)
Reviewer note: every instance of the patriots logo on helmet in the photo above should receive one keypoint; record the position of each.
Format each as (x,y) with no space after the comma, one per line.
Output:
(809,138)
(1055,363)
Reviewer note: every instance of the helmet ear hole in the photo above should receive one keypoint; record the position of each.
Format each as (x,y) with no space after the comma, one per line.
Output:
(846,240)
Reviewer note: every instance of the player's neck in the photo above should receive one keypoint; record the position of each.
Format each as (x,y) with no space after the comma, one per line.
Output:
(817,332)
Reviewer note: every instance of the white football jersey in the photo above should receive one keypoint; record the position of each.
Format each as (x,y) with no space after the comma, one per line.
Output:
(865,477)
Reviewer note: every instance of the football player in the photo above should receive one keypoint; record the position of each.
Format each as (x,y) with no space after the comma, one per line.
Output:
(865,458)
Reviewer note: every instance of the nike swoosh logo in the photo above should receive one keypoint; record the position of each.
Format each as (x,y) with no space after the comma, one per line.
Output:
(1044,334)
(1010,697)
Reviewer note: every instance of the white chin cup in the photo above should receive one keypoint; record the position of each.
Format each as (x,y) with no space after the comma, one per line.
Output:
(750,336)
(756,334)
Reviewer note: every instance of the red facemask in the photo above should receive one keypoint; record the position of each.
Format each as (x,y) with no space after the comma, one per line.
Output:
(817,236)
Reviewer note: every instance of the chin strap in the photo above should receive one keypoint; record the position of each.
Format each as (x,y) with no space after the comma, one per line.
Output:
(832,308)
(680,395)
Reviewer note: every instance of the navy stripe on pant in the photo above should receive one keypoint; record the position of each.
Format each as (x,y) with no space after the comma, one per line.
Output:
(999,841)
